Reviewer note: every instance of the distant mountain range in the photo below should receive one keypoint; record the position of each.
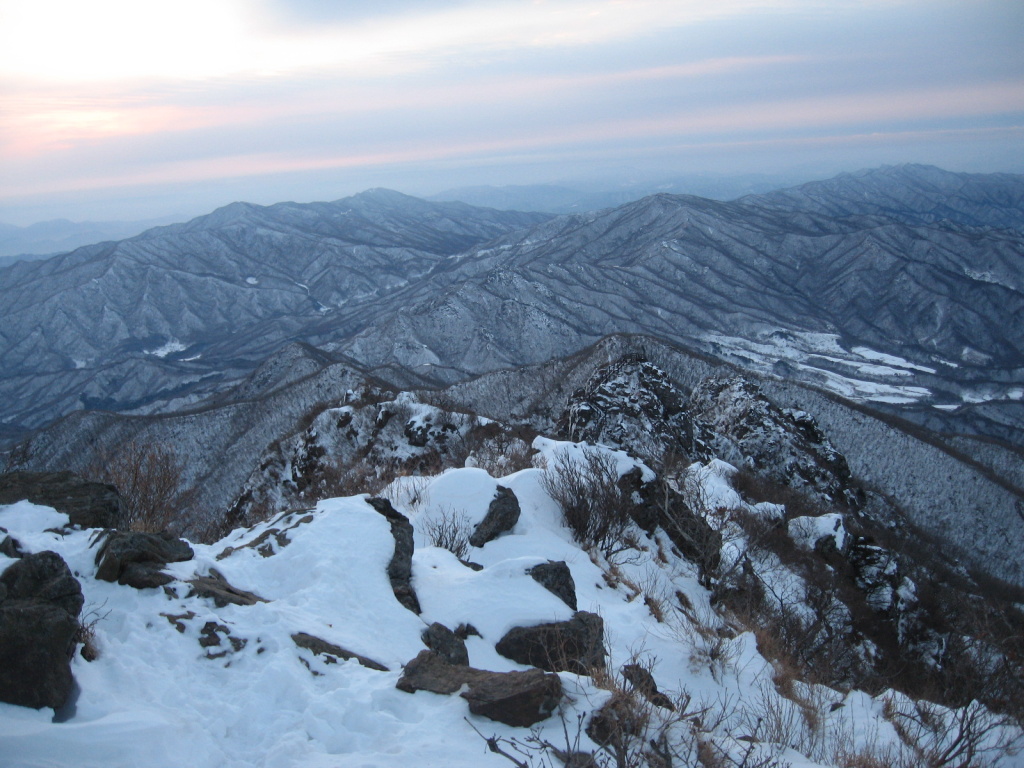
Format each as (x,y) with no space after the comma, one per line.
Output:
(901,286)
(571,198)
(47,238)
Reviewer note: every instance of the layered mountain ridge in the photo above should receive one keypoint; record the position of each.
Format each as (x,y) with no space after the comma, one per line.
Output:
(872,307)
(180,309)
(900,285)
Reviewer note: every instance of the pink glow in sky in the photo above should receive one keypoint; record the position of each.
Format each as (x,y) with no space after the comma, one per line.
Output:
(118,109)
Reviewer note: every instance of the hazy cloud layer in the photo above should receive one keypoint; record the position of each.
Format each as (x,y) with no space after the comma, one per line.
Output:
(142,107)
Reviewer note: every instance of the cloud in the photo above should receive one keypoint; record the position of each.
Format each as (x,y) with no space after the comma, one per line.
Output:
(126,93)
(124,40)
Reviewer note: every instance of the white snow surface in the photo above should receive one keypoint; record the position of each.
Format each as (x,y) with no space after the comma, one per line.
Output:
(807,351)
(169,348)
(807,531)
(155,699)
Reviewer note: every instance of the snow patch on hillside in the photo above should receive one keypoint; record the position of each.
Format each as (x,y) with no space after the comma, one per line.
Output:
(172,346)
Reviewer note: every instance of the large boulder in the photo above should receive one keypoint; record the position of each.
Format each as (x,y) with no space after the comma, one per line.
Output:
(518,699)
(400,567)
(502,516)
(136,559)
(39,605)
(555,577)
(576,645)
(87,504)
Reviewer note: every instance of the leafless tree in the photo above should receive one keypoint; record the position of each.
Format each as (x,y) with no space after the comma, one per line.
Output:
(149,478)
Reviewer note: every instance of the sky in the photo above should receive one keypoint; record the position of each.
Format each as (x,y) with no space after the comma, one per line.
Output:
(122,110)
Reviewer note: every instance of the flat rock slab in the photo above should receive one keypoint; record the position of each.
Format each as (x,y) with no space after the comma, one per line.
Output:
(321,647)
(216,588)
(518,699)
(400,566)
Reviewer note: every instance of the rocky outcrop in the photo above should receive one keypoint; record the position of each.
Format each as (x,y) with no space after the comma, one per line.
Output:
(515,698)
(576,645)
(400,566)
(39,605)
(735,422)
(691,534)
(446,644)
(630,404)
(135,559)
(556,578)
(87,504)
(502,516)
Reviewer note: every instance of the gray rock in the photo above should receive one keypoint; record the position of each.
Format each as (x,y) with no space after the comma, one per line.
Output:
(446,644)
(39,605)
(502,516)
(44,577)
(515,698)
(135,558)
(576,645)
(87,504)
(733,420)
(554,576)
(400,566)
(10,547)
(627,403)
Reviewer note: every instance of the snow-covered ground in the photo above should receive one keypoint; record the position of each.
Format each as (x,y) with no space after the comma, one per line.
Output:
(155,697)
(862,368)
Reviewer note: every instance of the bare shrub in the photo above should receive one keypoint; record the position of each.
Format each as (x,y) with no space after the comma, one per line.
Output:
(339,479)
(593,505)
(971,736)
(449,529)
(149,479)
(870,756)
(86,634)
(755,488)
(407,490)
